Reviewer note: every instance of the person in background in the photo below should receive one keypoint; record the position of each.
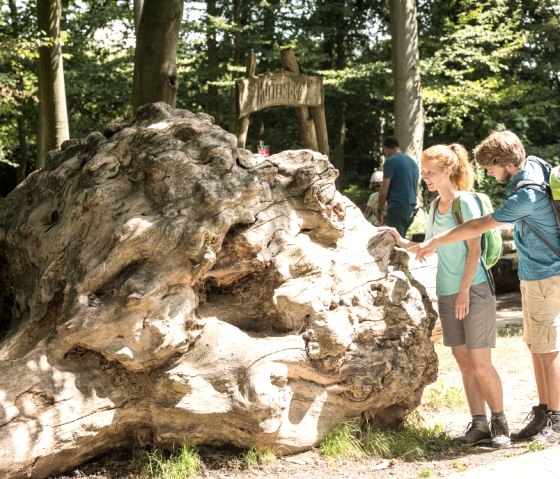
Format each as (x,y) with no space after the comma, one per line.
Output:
(399,188)
(371,207)
(502,155)
(466,303)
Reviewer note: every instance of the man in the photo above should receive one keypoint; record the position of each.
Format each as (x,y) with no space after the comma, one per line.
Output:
(399,188)
(502,155)
(374,184)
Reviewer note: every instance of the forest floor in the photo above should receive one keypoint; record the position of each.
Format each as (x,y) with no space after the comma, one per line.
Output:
(510,358)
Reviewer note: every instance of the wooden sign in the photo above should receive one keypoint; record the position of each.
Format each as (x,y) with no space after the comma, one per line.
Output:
(278,88)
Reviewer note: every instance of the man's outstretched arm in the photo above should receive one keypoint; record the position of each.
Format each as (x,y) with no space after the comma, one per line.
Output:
(469,229)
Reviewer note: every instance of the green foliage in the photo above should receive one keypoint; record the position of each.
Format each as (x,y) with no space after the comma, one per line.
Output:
(180,464)
(485,65)
(416,442)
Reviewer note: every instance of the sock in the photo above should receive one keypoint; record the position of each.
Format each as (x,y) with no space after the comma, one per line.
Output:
(496,415)
(544,407)
(480,418)
(554,418)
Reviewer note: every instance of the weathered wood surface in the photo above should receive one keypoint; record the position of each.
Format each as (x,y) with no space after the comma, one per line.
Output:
(162,286)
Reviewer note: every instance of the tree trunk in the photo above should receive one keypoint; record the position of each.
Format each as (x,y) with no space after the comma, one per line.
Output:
(155,69)
(138,5)
(409,113)
(213,102)
(340,114)
(53,116)
(161,286)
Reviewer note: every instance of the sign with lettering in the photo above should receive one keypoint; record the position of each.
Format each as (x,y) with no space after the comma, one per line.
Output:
(279,88)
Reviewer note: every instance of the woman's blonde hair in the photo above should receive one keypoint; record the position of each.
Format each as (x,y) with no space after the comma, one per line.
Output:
(455,158)
(499,149)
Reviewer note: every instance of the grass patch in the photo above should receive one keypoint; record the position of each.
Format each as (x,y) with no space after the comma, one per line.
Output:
(253,457)
(416,442)
(533,446)
(437,396)
(180,464)
(342,442)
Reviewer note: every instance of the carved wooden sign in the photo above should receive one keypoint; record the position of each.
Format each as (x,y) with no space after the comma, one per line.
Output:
(278,88)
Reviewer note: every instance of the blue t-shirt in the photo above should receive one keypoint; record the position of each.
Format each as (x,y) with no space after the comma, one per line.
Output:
(453,256)
(536,259)
(403,172)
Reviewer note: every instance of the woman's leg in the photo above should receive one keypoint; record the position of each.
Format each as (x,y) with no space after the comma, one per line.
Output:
(473,391)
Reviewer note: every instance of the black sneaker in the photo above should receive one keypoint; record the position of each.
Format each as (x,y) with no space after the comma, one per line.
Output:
(500,432)
(537,421)
(550,435)
(477,432)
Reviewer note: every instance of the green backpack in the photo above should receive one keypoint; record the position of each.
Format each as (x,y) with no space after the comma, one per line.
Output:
(491,240)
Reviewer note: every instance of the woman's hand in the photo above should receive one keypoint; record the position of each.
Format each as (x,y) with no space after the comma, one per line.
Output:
(394,233)
(462,304)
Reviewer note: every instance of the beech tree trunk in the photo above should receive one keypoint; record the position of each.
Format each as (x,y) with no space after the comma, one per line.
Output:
(409,112)
(161,286)
(155,69)
(53,116)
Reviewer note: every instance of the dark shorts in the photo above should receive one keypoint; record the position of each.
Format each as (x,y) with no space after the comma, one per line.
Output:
(478,328)
(400,218)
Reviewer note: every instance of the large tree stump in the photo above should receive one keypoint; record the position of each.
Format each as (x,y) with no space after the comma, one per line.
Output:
(162,286)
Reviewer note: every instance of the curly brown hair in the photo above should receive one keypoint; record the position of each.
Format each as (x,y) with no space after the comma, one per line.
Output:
(499,149)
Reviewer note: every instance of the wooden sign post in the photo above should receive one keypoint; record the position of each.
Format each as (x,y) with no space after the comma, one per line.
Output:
(284,88)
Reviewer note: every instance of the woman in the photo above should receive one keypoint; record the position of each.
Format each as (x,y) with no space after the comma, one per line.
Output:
(467,306)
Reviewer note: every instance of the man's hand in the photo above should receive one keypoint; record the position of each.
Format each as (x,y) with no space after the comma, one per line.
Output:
(423,250)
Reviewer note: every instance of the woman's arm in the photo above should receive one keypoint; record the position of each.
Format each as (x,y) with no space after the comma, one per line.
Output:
(474,250)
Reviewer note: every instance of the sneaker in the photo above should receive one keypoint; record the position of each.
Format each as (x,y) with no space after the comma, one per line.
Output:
(477,432)
(551,433)
(500,432)
(537,422)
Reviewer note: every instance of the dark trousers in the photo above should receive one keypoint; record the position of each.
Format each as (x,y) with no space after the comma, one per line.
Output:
(401,218)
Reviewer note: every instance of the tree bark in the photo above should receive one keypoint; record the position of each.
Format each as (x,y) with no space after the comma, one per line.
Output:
(138,5)
(53,115)
(155,69)
(409,112)
(340,114)
(213,102)
(160,286)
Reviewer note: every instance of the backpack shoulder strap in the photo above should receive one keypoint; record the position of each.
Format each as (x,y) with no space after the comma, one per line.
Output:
(433,206)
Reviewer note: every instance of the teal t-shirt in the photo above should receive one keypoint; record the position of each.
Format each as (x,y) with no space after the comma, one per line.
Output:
(452,257)
(536,259)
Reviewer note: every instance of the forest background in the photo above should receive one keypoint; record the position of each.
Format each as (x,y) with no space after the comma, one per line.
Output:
(484,65)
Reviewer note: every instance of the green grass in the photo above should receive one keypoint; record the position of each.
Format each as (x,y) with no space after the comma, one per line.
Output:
(416,442)
(533,446)
(254,457)
(180,464)
(342,442)
(438,396)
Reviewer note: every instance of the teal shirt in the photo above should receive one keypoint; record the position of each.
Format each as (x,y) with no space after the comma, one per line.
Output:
(452,257)
(536,259)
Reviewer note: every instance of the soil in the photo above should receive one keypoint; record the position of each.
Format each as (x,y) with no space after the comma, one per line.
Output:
(510,358)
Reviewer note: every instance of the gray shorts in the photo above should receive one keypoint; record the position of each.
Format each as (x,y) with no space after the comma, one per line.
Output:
(478,328)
